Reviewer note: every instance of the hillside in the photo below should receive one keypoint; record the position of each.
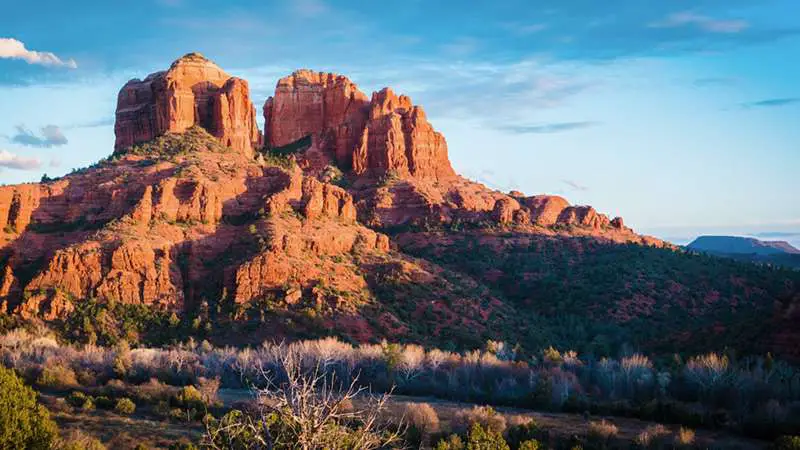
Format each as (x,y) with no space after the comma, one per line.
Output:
(345,217)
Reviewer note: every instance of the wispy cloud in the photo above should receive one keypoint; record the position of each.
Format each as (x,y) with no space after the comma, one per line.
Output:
(575,185)
(771,103)
(51,136)
(12,161)
(91,124)
(13,49)
(548,127)
(517,90)
(688,18)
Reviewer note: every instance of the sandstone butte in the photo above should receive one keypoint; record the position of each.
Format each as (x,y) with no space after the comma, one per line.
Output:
(192,92)
(223,222)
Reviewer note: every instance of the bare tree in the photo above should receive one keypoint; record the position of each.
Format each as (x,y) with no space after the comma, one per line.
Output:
(308,409)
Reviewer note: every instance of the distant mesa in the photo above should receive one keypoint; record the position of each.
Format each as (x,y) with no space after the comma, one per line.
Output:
(192,92)
(737,245)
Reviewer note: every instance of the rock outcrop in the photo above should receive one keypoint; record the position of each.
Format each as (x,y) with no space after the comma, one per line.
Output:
(17,204)
(192,92)
(398,139)
(386,134)
(325,106)
(165,232)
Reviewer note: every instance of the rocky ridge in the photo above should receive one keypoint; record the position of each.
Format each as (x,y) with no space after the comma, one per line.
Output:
(399,163)
(105,233)
(191,214)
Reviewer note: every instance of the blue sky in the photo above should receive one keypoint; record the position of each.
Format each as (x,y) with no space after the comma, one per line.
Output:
(681,116)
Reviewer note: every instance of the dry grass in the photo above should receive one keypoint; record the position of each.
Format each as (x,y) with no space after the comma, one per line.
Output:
(423,417)
(602,430)
(126,432)
(487,417)
(57,376)
(76,439)
(685,437)
(653,436)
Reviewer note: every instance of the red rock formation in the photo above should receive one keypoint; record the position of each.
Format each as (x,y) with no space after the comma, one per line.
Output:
(133,272)
(585,216)
(504,210)
(234,118)
(386,134)
(193,92)
(325,106)
(17,204)
(399,139)
(546,209)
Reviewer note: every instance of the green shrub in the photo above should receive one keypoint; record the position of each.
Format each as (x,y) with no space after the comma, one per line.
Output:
(189,396)
(103,402)
(235,430)
(521,432)
(453,442)
(182,445)
(125,406)
(78,440)
(122,359)
(530,445)
(787,443)
(80,400)
(171,145)
(485,439)
(23,422)
(57,377)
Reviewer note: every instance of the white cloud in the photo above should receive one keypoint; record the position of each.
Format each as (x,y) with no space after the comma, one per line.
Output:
(14,49)
(13,161)
(52,136)
(706,23)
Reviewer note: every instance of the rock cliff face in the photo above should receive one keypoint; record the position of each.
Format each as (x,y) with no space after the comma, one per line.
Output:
(398,139)
(325,106)
(386,134)
(192,92)
(169,231)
